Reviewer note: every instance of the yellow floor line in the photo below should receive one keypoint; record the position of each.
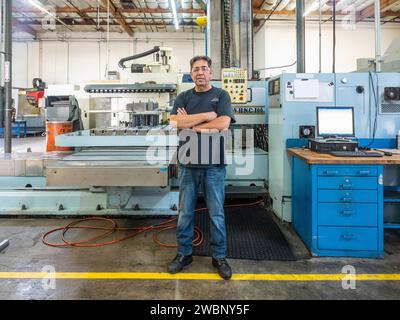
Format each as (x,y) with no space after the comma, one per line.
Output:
(198,276)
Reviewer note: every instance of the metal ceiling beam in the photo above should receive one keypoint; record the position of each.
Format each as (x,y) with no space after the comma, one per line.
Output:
(324,13)
(144,15)
(85,16)
(82,23)
(117,15)
(66,10)
(369,11)
(60,10)
(258,28)
(285,12)
(162,18)
(104,10)
(293,12)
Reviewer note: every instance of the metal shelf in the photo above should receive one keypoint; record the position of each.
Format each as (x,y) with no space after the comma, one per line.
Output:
(391,196)
(391,226)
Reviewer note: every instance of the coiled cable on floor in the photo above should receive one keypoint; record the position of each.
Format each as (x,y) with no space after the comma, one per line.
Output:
(113,228)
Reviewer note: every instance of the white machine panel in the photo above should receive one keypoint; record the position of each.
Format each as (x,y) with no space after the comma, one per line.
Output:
(306,88)
(303,90)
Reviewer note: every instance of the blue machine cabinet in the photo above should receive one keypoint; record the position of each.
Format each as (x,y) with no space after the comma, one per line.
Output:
(18,128)
(338,208)
(288,111)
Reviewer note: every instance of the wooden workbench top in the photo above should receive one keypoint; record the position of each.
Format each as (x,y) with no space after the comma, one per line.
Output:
(312,157)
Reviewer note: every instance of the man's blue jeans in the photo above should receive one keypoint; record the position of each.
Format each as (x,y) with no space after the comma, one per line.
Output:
(211,180)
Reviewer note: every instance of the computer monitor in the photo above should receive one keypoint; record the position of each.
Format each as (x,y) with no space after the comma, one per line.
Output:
(335,121)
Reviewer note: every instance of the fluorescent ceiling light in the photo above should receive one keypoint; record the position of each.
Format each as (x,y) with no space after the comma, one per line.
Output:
(173,7)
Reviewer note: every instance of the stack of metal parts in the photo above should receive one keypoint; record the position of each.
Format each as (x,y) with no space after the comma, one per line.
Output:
(142,114)
(140,120)
(142,106)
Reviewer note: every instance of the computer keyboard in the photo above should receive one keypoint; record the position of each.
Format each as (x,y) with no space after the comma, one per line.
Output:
(355,154)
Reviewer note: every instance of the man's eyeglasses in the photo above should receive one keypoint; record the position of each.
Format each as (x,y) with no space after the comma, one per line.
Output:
(197,69)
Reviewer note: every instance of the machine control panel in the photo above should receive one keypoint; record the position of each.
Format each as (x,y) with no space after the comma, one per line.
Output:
(234,81)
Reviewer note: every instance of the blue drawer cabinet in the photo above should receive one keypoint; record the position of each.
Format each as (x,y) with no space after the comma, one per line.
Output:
(348,214)
(348,171)
(347,196)
(348,238)
(347,183)
(345,215)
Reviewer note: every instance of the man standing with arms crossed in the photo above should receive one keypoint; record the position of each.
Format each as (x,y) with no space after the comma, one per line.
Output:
(203,109)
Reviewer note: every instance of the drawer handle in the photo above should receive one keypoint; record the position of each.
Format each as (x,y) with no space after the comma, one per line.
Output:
(347,213)
(364,172)
(346,186)
(347,236)
(331,172)
(346,199)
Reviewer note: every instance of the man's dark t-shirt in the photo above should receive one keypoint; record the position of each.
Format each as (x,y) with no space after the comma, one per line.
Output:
(215,100)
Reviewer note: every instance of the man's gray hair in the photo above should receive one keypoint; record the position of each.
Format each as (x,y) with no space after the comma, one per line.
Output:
(197,58)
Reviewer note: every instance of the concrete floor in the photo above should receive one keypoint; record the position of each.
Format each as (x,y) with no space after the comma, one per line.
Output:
(27,253)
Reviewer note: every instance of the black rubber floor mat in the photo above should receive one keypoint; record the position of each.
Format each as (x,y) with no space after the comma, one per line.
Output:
(251,234)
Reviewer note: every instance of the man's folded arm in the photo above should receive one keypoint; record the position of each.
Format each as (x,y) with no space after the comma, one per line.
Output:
(221,123)
(190,121)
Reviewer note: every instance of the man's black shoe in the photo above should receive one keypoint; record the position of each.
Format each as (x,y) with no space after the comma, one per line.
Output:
(224,270)
(179,262)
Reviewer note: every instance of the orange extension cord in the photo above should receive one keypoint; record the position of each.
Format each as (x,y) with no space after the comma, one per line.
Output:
(158,228)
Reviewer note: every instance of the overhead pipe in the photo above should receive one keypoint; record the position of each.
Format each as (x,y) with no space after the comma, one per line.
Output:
(246,37)
(300,40)
(320,38)
(121,63)
(377,7)
(334,38)
(1,64)
(8,75)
